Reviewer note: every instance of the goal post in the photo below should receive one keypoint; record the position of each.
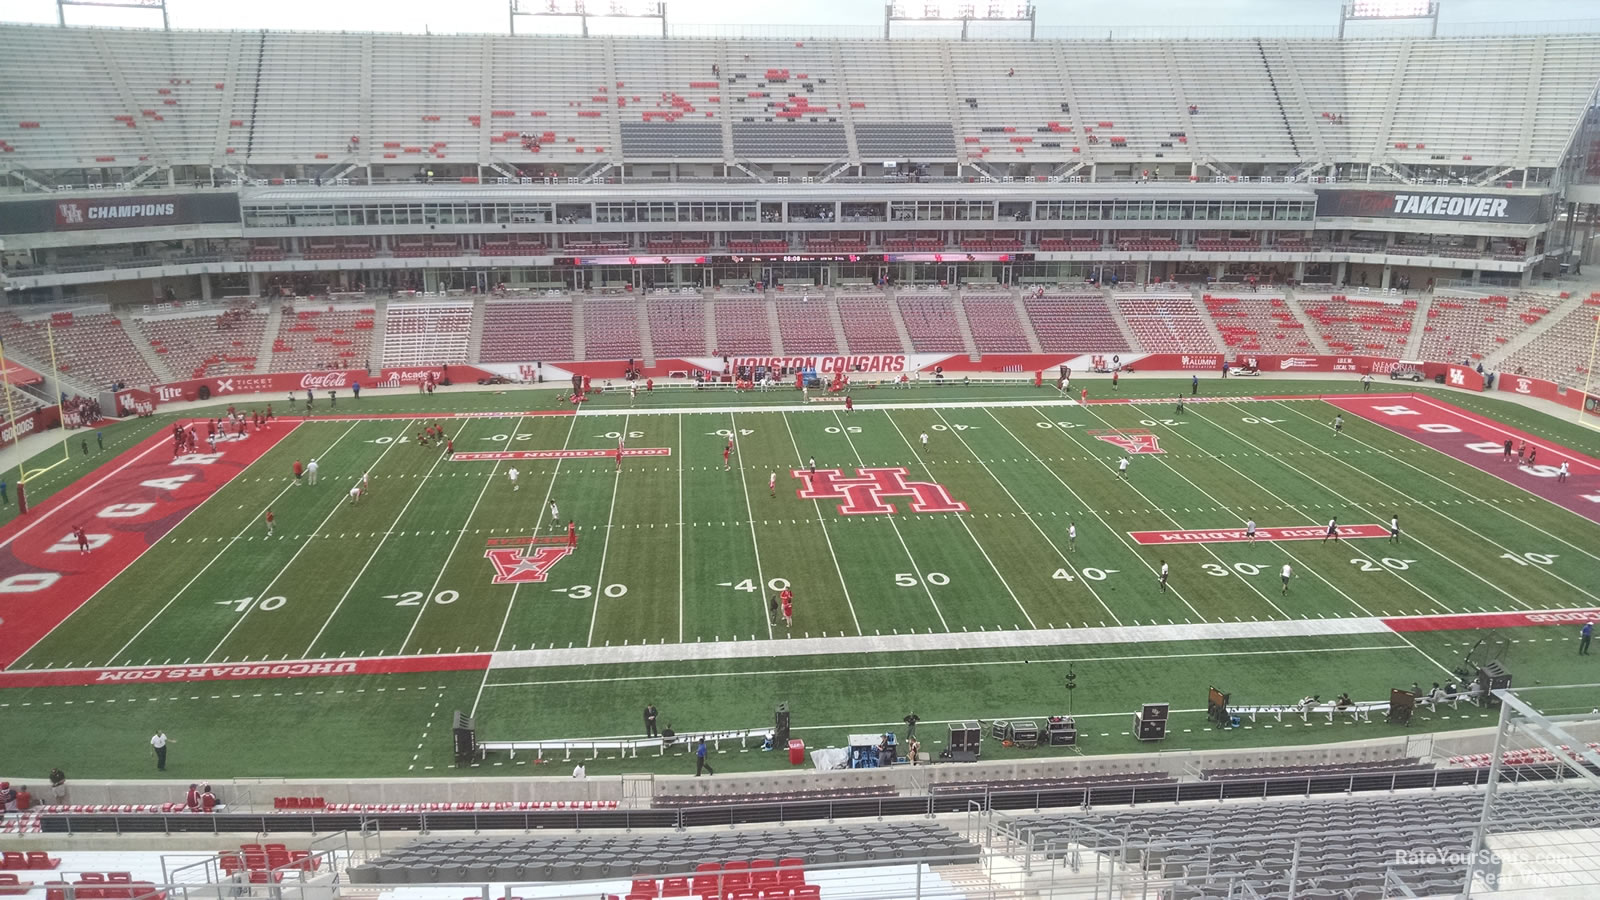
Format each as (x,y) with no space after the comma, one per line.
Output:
(25,474)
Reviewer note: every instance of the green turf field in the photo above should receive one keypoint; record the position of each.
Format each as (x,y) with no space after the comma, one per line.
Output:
(666,599)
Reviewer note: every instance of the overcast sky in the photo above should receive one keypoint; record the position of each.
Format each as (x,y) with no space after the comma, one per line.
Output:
(788,16)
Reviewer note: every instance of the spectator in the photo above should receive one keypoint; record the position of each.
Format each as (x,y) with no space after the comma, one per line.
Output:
(191,800)
(579,773)
(58,785)
(24,799)
(208,800)
(700,763)
(8,797)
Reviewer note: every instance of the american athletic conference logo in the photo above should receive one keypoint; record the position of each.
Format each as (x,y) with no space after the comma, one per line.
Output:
(864,494)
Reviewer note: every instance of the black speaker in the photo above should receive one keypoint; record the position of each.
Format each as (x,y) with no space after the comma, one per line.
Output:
(1024,734)
(1063,731)
(780,726)
(466,739)
(964,737)
(1493,677)
(1154,711)
(1149,729)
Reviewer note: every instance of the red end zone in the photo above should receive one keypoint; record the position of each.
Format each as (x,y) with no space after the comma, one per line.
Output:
(124,508)
(1480,443)
(306,668)
(1233,535)
(558,454)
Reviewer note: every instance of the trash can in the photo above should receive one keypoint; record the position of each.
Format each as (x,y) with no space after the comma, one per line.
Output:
(797,752)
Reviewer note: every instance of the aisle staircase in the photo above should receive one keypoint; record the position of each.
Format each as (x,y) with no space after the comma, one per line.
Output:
(966,327)
(142,344)
(475,331)
(269,337)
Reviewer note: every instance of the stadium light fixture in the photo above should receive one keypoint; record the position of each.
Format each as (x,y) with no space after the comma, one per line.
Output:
(1372,10)
(61,8)
(966,12)
(584,10)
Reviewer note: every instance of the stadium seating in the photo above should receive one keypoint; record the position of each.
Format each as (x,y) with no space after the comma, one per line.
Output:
(994,324)
(806,327)
(90,347)
(1561,353)
(1166,323)
(869,325)
(704,856)
(1461,328)
(1344,845)
(324,337)
(931,323)
(426,334)
(1257,323)
(677,326)
(1362,324)
(527,330)
(611,329)
(1074,323)
(195,346)
(304,99)
(742,326)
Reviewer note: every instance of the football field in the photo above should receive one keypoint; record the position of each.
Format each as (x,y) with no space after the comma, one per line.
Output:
(930,553)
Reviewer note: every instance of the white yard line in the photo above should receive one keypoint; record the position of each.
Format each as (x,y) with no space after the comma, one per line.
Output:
(680,531)
(750,513)
(937,640)
(220,553)
(1168,516)
(896,526)
(963,519)
(1284,547)
(945,664)
(374,555)
(821,523)
(1445,516)
(828,407)
(434,590)
(1030,517)
(310,539)
(512,602)
(605,544)
(1089,508)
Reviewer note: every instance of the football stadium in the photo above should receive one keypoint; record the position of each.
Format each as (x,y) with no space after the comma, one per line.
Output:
(967,459)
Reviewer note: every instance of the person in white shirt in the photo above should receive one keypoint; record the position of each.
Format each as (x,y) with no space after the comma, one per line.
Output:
(365,477)
(1072,537)
(311,472)
(1250,530)
(1288,573)
(772,483)
(1394,529)
(555,515)
(924,442)
(1122,468)
(355,494)
(1562,476)
(1163,576)
(158,741)
(512,474)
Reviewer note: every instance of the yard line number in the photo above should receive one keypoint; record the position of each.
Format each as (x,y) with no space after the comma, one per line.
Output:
(1523,559)
(245,604)
(585,591)
(415,598)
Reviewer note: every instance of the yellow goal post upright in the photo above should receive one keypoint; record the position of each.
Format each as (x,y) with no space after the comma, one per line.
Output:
(1589,404)
(25,474)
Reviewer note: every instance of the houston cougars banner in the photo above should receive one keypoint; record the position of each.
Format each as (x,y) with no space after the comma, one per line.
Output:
(39,420)
(1547,390)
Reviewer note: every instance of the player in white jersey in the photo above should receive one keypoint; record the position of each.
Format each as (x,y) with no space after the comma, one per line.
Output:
(1163,576)
(311,472)
(1072,537)
(1338,425)
(1288,573)
(1394,529)
(555,515)
(772,483)
(1122,468)
(1333,530)
(512,474)
(1250,530)
(355,494)
(924,442)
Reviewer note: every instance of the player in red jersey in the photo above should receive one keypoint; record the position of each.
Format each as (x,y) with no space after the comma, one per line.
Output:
(619,458)
(849,404)
(299,470)
(726,452)
(270,520)
(786,597)
(572,535)
(83,539)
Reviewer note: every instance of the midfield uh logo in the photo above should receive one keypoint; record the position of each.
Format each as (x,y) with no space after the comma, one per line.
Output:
(1131,441)
(864,494)
(511,566)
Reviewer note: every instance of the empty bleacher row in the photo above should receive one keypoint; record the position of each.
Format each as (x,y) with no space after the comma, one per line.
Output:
(113,99)
(1345,847)
(1366,325)
(195,346)
(1257,324)
(323,337)
(585,857)
(1561,353)
(91,348)
(1474,328)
